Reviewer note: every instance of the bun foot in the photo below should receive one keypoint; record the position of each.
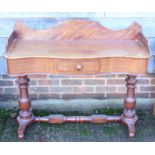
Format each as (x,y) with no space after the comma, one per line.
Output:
(20,131)
(131,130)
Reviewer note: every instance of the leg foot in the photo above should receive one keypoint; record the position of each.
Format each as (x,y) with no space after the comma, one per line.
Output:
(21,131)
(131,130)
(131,125)
(23,124)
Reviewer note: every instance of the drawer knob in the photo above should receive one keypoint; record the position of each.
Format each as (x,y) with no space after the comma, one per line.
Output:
(78,66)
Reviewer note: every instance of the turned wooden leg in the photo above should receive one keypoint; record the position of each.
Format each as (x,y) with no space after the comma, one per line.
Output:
(129,116)
(25,116)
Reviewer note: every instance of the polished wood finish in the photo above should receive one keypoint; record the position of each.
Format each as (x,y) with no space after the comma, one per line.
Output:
(58,119)
(77,47)
(25,117)
(129,116)
(68,66)
(77,43)
(75,30)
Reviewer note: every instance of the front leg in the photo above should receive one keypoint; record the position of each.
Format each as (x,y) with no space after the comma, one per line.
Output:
(25,117)
(129,116)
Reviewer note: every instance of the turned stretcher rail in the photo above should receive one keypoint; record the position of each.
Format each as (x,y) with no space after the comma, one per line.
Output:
(92,119)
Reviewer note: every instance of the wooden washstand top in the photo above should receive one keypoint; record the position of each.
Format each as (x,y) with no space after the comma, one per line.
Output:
(76,42)
(76,49)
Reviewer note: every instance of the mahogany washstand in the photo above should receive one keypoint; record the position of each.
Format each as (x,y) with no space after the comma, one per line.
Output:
(77,47)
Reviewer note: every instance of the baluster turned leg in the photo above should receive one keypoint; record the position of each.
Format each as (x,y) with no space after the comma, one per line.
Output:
(25,117)
(129,116)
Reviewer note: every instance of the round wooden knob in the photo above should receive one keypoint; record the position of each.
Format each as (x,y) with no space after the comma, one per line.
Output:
(78,66)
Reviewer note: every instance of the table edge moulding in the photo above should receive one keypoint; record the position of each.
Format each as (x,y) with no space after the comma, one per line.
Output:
(77,47)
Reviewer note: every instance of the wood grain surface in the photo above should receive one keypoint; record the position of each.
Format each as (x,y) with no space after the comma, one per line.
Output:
(69,66)
(77,47)
(75,30)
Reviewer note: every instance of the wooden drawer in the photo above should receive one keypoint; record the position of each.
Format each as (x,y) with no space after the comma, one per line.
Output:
(78,66)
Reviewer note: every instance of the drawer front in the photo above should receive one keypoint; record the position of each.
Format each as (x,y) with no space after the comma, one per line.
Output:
(78,66)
